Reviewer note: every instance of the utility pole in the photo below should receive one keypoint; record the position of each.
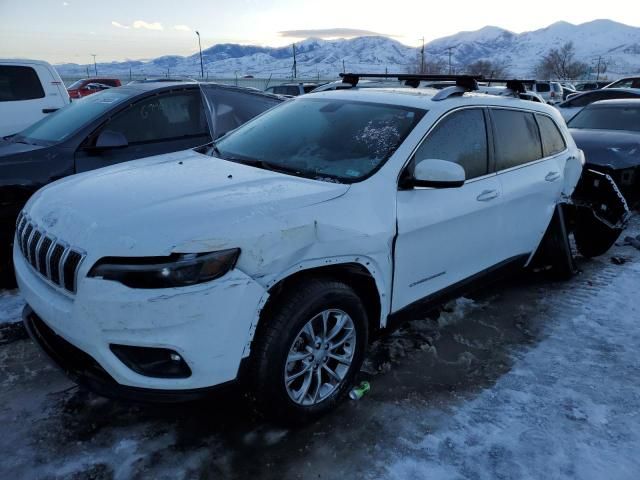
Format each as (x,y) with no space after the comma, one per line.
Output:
(343,69)
(200,48)
(88,75)
(295,66)
(422,57)
(598,71)
(95,65)
(449,48)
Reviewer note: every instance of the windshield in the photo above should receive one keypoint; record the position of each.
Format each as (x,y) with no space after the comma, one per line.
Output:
(608,118)
(322,138)
(66,121)
(76,84)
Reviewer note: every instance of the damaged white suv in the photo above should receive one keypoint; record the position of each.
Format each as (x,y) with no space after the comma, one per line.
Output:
(277,253)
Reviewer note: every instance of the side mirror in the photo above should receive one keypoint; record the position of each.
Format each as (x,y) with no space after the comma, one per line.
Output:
(438,174)
(108,139)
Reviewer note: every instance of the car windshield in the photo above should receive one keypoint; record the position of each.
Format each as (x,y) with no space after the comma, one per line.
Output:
(66,121)
(608,118)
(76,84)
(322,138)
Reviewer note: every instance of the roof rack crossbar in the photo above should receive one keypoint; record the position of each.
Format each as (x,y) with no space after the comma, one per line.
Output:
(468,82)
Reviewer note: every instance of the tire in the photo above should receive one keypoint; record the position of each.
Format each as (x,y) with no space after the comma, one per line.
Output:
(593,238)
(7,276)
(280,338)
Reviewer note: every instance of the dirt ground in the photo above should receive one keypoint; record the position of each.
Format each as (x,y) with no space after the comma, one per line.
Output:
(529,378)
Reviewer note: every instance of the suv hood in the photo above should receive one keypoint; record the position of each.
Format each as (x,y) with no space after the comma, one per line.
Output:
(608,148)
(183,202)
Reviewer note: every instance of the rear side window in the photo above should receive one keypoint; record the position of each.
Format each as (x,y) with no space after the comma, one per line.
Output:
(19,83)
(517,140)
(552,141)
(162,117)
(286,90)
(542,87)
(461,137)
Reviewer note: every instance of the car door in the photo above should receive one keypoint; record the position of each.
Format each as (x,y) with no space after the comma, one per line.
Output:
(449,234)
(160,123)
(530,181)
(23,99)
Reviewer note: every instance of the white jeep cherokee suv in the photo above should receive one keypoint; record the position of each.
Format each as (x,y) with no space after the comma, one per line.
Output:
(275,254)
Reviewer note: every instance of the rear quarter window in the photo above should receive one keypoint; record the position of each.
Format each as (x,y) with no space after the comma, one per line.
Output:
(516,138)
(19,83)
(552,140)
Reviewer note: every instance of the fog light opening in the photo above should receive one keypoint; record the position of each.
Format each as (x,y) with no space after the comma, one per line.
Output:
(151,361)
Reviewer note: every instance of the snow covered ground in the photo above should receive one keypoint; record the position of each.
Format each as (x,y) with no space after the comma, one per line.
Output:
(529,379)
(10,306)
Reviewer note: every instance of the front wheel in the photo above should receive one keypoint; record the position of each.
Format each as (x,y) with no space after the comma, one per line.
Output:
(309,351)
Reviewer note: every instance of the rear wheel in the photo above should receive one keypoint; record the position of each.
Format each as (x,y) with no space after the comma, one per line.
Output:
(593,238)
(309,351)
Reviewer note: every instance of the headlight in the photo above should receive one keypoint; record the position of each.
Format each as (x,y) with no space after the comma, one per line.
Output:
(176,270)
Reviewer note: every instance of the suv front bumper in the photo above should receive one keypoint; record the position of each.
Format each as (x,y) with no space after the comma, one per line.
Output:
(208,325)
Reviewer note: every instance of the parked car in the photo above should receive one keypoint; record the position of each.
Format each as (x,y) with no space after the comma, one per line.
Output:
(608,132)
(504,91)
(567,89)
(276,254)
(628,82)
(163,80)
(570,107)
(87,86)
(114,126)
(551,92)
(341,85)
(292,89)
(590,85)
(29,90)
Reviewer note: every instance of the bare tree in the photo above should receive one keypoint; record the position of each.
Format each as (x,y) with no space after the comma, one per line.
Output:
(488,68)
(561,64)
(431,66)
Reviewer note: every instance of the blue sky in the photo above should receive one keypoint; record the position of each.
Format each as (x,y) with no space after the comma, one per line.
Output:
(70,30)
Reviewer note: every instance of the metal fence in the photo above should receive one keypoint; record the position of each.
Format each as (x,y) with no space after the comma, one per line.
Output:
(259,83)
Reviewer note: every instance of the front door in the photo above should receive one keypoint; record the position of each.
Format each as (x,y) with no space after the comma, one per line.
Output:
(447,235)
(158,124)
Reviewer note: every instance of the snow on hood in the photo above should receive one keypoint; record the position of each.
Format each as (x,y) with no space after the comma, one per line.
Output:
(184,201)
(615,149)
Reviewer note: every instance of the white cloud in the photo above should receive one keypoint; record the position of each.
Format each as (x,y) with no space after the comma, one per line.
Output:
(147,25)
(119,25)
(65,4)
(181,28)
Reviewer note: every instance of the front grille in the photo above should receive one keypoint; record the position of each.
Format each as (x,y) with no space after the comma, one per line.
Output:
(50,257)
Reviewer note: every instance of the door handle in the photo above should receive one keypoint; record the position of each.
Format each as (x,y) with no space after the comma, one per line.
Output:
(49,110)
(487,195)
(552,176)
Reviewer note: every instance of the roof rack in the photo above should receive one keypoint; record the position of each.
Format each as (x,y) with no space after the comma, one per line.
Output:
(467,82)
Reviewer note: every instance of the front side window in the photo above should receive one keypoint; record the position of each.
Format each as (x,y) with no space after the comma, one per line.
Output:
(616,117)
(461,137)
(516,138)
(322,138)
(162,117)
(19,83)
(552,141)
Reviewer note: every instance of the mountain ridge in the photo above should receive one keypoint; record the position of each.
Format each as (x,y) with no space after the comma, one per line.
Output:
(616,43)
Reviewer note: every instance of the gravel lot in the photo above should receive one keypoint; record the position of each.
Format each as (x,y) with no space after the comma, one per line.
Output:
(528,379)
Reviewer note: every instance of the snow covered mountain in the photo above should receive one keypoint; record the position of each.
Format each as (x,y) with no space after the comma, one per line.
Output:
(616,43)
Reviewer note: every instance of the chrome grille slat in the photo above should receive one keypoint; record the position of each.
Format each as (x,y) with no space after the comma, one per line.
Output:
(53,259)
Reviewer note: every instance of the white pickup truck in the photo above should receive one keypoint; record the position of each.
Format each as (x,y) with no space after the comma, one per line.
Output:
(274,254)
(29,90)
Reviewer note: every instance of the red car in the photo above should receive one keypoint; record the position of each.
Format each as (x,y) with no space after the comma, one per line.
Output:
(87,86)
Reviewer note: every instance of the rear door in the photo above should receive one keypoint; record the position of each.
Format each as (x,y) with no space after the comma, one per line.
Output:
(446,235)
(23,99)
(530,176)
(160,123)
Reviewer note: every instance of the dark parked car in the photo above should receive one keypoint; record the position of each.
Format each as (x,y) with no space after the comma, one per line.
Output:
(627,82)
(574,104)
(89,86)
(608,132)
(114,126)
